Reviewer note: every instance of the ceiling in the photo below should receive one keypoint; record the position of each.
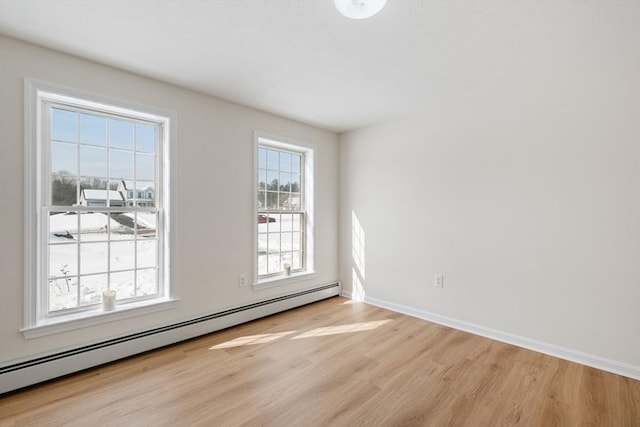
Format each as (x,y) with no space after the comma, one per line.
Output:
(301,59)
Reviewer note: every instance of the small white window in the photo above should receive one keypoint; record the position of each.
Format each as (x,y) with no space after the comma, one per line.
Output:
(284,209)
(88,159)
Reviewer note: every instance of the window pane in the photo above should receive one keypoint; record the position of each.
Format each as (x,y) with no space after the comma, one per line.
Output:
(294,202)
(286,222)
(274,264)
(295,183)
(287,202)
(274,226)
(262,202)
(93,161)
(93,258)
(93,130)
(63,228)
(121,165)
(285,162)
(286,258)
(91,288)
(93,227)
(93,192)
(144,194)
(63,260)
(120,134)
(145,167)
(117,193)
(145,138)
(297,261)
(296,161)
(262,265)
(274,242)
(272,160)
(64,158)
(285,182)
(286,242)
(123,284)
(147,282)
(146,224)
(120,227)
(93,183)
(63,293)
(272,200)
(262,158)
(147,253)
(262,179)
(122,255)
(295,240)
(272,180)
(64,125)
(262,244)
(64,191)
(297,222)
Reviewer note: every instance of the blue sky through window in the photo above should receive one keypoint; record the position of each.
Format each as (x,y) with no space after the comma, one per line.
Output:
(93,146)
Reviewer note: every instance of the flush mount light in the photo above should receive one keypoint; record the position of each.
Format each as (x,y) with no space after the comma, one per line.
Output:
(359,9)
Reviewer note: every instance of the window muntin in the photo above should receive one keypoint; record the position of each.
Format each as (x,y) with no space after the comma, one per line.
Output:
(281,215)
(97,236)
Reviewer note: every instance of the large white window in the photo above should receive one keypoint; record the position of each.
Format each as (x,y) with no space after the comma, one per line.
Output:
(99,188)
(284,209)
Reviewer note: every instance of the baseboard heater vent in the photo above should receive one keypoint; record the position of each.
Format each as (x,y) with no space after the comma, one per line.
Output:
(32,371)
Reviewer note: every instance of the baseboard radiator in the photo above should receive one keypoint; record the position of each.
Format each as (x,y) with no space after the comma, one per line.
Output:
(43,368)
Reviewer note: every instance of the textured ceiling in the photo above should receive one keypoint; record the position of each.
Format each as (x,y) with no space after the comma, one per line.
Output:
(301,59)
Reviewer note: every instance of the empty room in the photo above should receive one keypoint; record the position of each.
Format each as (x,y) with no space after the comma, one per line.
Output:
(319,213)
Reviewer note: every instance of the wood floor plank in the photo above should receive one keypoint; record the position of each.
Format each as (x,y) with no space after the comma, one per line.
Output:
(332,363)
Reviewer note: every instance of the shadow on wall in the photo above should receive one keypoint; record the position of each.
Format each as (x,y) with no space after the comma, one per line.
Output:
(357,255)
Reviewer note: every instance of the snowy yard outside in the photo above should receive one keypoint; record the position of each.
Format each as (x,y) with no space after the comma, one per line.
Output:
(102,244)
(279,242)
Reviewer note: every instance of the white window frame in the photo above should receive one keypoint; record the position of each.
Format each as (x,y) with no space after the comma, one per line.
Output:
(262,139)
(37,321)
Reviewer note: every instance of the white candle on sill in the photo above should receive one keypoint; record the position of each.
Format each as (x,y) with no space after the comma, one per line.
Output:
(287,269)
(108,300)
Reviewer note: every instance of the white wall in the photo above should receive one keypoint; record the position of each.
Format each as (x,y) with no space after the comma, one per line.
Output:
(524,193)
(214,242)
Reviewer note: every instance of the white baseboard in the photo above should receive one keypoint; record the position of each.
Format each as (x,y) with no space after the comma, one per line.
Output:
(597,362)
(21,373)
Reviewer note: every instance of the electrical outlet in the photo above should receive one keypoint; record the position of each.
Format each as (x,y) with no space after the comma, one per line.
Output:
(438,280)
(242,280)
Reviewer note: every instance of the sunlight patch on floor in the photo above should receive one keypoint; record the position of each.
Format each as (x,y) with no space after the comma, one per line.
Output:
(317,332)
(252,340)
(342,329)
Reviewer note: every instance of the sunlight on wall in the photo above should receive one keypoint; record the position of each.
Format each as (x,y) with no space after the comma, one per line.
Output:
(357,254)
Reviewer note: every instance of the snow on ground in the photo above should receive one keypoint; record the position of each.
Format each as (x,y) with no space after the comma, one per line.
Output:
(84,237)
(145,219)
(283,235)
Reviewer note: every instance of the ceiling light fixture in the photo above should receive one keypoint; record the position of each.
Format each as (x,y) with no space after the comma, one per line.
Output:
(359,9)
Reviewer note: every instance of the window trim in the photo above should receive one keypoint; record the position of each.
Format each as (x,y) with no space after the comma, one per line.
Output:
(36,93)
(308,150)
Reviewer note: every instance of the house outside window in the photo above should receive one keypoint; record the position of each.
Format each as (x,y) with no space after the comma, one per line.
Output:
(90,234)
(284,209)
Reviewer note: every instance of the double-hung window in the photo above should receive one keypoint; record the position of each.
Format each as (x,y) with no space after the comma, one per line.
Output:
(284,209)
(100,196)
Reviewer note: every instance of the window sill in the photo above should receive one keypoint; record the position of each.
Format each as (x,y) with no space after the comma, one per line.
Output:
(97,316)
(272,282)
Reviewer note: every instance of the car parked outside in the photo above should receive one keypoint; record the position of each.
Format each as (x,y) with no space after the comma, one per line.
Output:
(262,219)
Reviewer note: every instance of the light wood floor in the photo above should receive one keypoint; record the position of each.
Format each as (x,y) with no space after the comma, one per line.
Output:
(333,363)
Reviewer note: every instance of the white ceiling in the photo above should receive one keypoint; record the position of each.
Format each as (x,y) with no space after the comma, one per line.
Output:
(302,60)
